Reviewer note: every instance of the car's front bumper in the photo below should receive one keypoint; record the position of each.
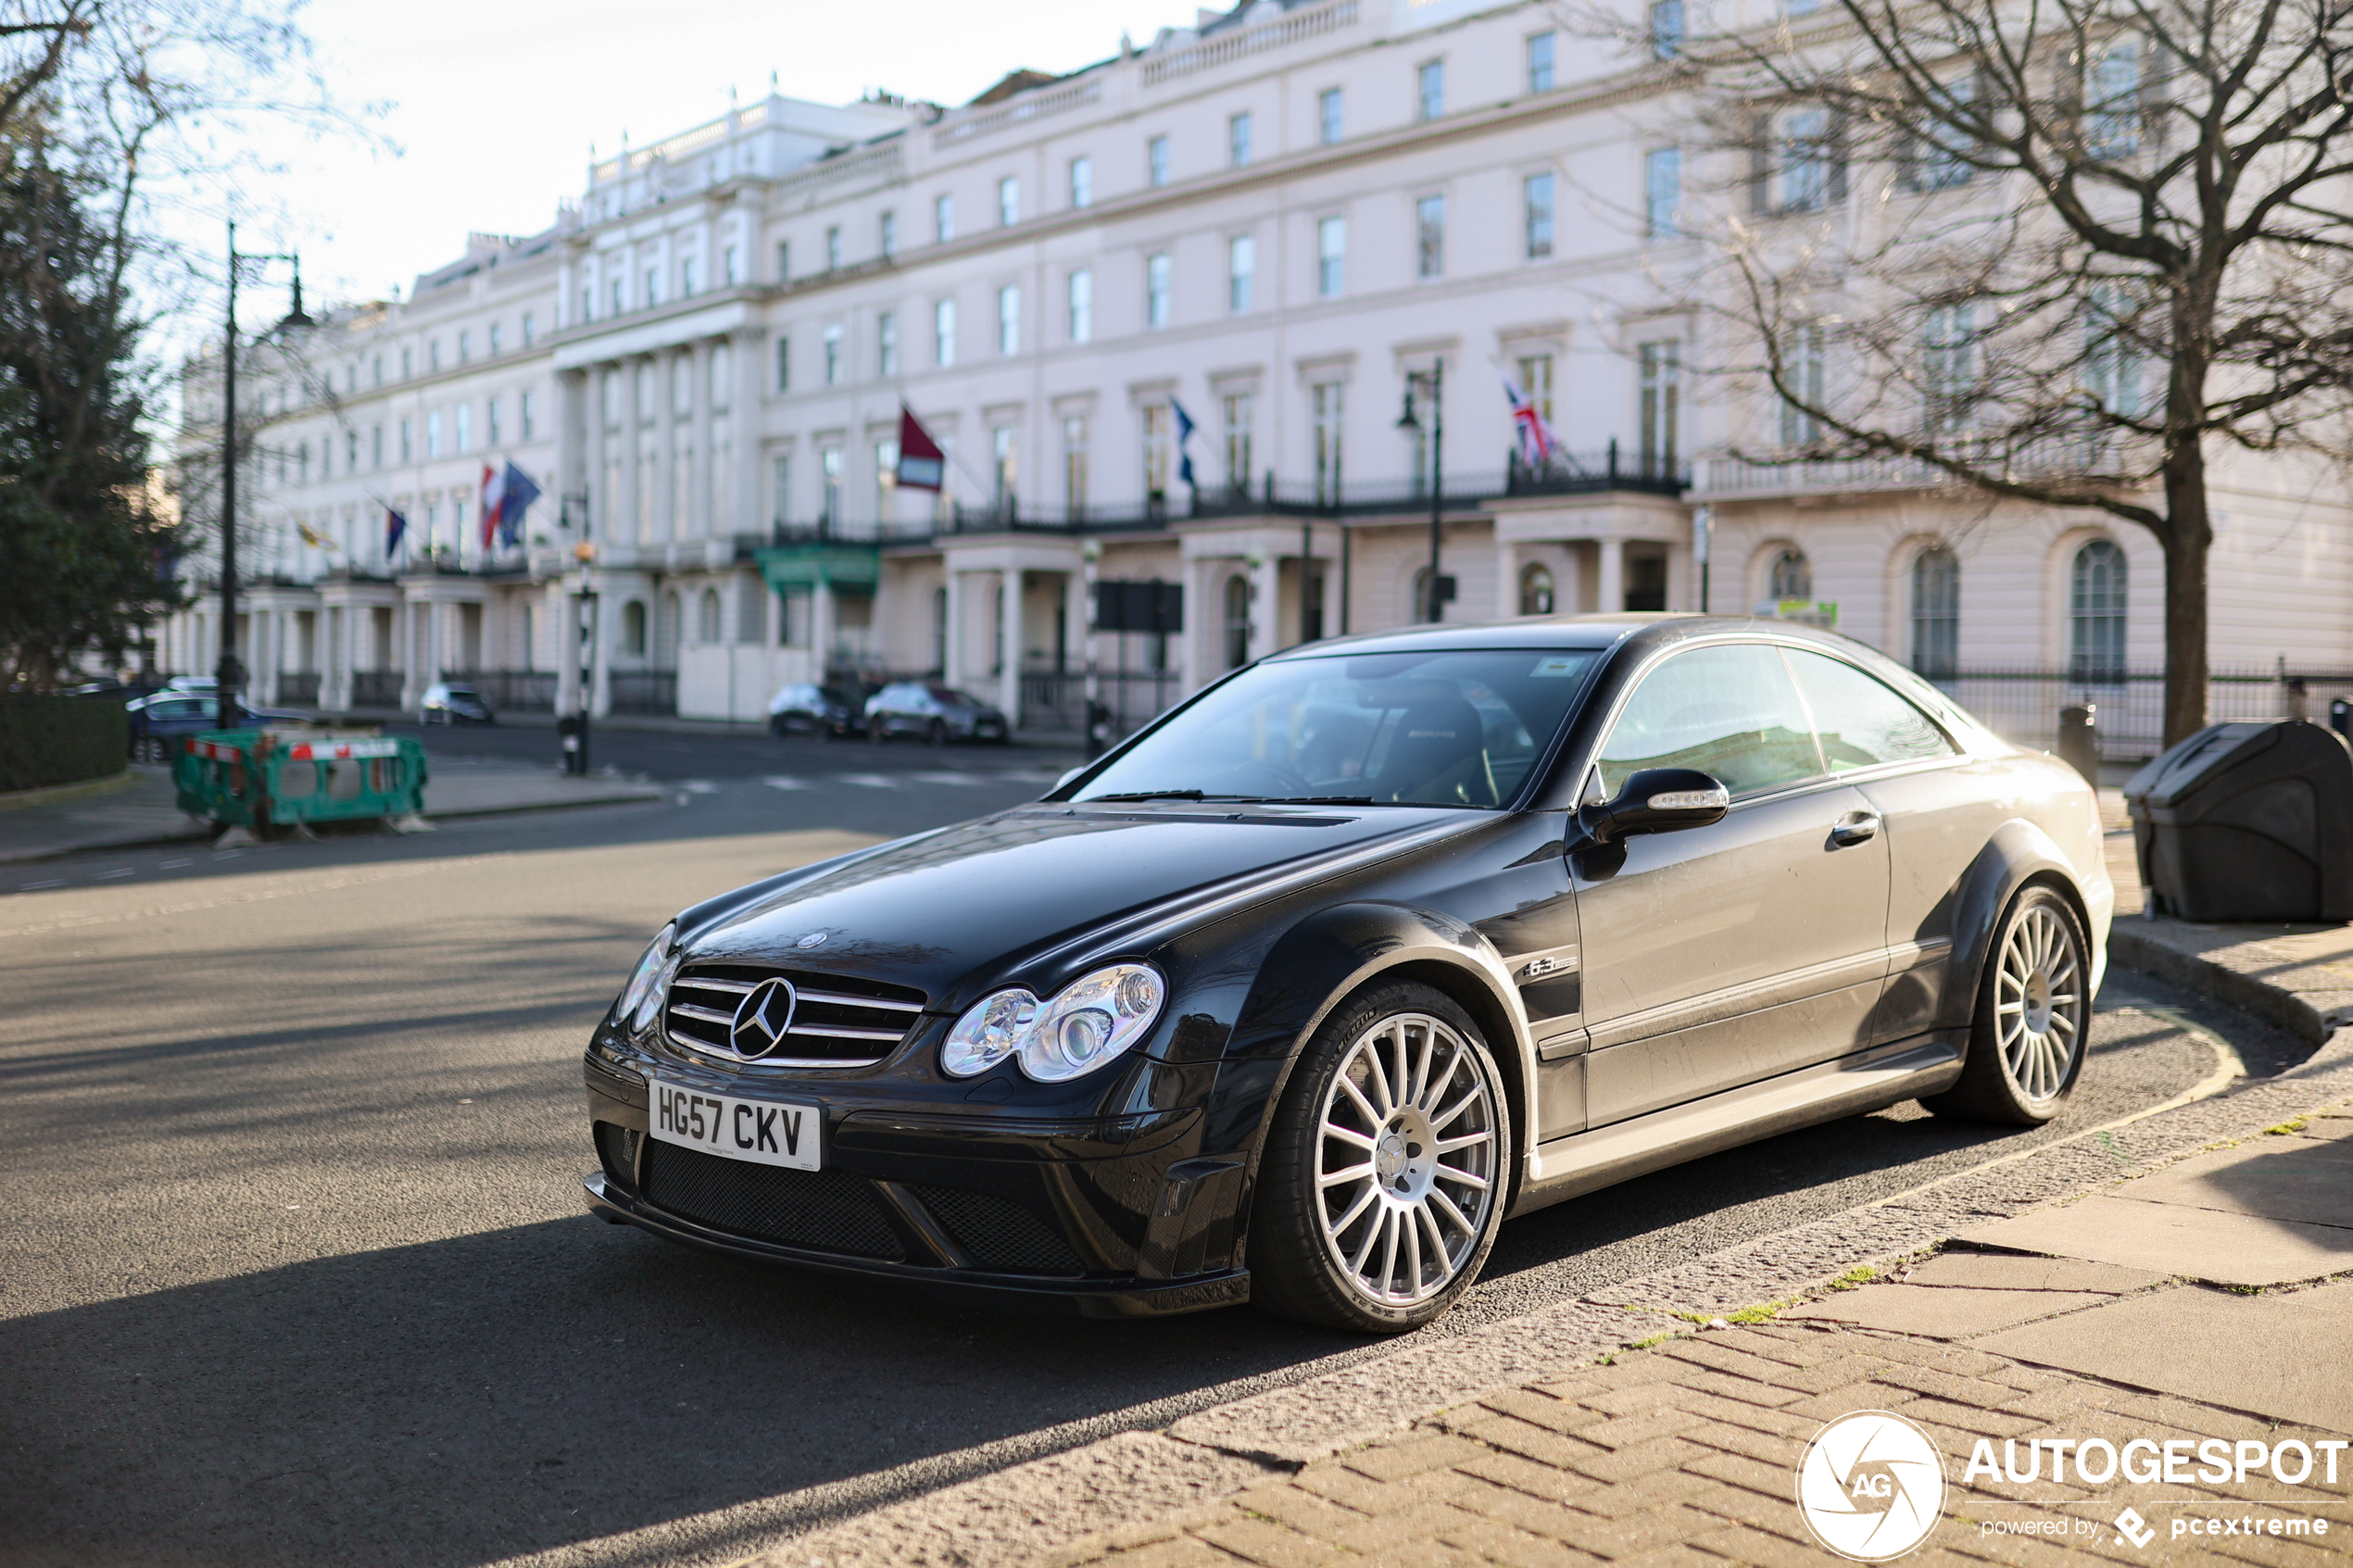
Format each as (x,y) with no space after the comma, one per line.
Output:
(1081,1297)
(1102,1216)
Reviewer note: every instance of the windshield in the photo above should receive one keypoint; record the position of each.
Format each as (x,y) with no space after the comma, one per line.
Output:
(1455,728)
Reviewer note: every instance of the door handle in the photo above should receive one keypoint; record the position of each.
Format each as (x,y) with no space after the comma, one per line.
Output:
(1856,827)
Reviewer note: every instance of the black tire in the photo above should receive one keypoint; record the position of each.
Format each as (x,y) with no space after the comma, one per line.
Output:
(2037,968)
(1302,1227)
(875,732)
(935,733)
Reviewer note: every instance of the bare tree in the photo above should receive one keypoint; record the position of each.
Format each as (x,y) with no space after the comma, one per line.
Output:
(2066,252)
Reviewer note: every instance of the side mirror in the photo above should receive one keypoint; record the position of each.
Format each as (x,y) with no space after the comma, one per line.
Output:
(1657,800)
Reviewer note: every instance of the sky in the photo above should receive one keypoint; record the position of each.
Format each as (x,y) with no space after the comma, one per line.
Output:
(490,107)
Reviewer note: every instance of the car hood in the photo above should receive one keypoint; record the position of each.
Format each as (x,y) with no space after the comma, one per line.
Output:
(950,912)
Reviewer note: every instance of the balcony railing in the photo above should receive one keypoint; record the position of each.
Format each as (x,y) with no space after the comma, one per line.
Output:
(2091,457)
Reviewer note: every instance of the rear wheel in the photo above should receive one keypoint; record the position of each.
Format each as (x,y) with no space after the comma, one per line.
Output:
(875,732)
(935,733)
(2034,1017)
(1382,1182)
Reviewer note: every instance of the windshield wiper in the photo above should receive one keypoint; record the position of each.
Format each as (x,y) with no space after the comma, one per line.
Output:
(1149,795)
(1313,800)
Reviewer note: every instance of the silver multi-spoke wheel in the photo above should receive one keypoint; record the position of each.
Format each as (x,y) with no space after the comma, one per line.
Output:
(1409,1159)
(2037,1001)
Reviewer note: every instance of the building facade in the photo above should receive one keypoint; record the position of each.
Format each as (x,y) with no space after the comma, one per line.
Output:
(1237,313)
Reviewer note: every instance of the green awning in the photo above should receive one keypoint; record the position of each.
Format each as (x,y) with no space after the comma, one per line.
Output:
(843,567)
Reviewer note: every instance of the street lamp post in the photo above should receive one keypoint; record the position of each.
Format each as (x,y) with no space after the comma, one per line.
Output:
(1432,603)
(229,673)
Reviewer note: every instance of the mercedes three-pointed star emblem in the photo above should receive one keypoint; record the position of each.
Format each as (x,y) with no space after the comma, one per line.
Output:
(761,1018)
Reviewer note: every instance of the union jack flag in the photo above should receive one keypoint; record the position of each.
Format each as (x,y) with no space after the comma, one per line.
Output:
(1538,441)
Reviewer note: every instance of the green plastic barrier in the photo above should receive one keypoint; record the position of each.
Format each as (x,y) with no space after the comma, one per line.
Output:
(262,780)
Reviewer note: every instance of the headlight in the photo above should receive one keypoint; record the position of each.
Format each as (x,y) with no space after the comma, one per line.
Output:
(643,991)
(1091,1022)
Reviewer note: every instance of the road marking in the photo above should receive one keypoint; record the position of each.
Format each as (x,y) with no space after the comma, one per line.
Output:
(36,886)
(700,786)
(785,781)
(945,777)
(868,781)
(118,871)
(175,865)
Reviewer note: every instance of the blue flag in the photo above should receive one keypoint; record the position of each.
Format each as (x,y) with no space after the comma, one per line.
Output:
(396,529)
(513,502)
(1184,433)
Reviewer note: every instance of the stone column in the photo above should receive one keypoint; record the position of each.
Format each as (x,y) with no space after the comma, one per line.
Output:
(744,425)
(820,630)
(667,524)
(1507,579)
(1266,606)
(634,460)
(952,666)
(701,522)
(1611,599)
(1009,586)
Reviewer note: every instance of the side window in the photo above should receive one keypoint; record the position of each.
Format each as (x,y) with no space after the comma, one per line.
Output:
(1862,723)
(1731,712)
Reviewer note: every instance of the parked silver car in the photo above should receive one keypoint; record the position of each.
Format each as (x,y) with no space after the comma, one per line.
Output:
(937,714)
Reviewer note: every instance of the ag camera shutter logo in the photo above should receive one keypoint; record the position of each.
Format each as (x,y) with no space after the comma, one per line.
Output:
(1870,1486)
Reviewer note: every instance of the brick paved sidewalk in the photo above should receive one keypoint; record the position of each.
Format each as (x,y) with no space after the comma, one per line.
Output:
(1686,1454)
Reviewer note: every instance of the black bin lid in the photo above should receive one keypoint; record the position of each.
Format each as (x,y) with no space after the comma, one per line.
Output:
(2208,757)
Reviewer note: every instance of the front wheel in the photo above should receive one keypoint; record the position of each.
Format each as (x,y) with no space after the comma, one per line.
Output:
(2034,1018)
(1383,1178)
(874,730)
(935,733)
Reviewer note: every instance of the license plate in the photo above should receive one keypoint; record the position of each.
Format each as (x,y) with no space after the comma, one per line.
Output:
(764,1132)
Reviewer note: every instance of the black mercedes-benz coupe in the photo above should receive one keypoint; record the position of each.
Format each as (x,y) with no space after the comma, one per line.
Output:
(1298,994)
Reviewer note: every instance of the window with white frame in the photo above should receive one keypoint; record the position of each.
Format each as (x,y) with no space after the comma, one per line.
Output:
(491,421)
(1789,579)
(1008,202)
(943,217)
(1005,458)
(1429,90)
(734,275)
(943,334)
(784,363)
(831,341)
(886,480)
(1658,409)
(886,343)
(1948,368)
(1158,424)
(780,489)
(1429,237)
(1332,256)
(1237,148)
(687,288)
(1075,465)
(1936,163)
(1156,160)
(1082,181)
(1327,406)
(783,262)
(1537,199)
(1936,612)
(1802,360)
(433,434)
(1536,589)
(1331,120)
(1666,29)
(1082,305)
(1242,267)
(1663,193)
(1009,319)
(654,288)
(2095,605)
(1540,62)
(529,404)
(2112,369)
(833,249)
(2112,101)
(829,467)
(1536,382)
(1238,410)
(1156,282)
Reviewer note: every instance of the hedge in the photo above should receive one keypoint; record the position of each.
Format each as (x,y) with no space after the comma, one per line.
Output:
(57,740)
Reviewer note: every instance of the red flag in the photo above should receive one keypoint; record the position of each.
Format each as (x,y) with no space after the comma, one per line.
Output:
(921,465)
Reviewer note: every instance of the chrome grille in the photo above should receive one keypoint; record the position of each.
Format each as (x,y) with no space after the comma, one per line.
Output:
(838,1020)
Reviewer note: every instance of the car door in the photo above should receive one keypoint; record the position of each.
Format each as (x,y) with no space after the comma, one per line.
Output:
(1936,810)
(1718,956)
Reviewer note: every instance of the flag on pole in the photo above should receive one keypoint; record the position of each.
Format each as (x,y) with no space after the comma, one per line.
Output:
(493,490)
(515,496)
(1538,441)
(922,464)
(1184,433)
(309,538)
(395,529)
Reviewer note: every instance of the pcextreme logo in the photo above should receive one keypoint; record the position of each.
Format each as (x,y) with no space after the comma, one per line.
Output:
(1870,1486)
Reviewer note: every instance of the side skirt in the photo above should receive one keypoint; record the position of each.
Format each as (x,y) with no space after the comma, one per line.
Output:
(1867,1081)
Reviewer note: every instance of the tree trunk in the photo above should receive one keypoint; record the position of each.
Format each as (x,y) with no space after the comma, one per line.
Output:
(2187,541)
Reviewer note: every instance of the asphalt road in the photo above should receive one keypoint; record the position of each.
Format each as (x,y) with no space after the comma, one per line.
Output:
(296,1272)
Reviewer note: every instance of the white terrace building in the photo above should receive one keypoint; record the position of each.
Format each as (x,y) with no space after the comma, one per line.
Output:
(1267,226)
